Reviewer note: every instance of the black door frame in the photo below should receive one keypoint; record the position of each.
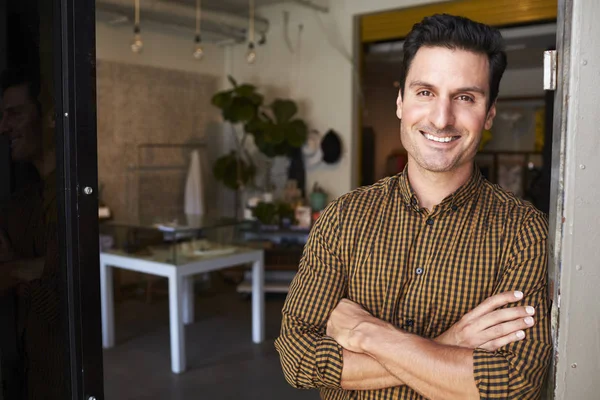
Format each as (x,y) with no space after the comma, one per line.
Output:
(77,171)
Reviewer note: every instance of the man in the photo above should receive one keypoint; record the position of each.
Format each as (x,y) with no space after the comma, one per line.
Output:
(430,284)
(29,257)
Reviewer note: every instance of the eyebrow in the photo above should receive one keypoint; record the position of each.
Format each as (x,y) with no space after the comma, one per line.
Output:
(475,89)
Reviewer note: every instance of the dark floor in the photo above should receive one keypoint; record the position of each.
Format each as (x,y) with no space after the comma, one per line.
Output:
(223,363)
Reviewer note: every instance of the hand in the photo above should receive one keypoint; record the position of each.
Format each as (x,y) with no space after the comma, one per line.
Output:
(488,327)
(344,324)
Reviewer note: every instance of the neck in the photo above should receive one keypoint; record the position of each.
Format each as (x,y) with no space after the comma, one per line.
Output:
(431,188)
(46,164)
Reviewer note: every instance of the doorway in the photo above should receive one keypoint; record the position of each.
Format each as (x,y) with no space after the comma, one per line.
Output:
(50,340)
(512,153)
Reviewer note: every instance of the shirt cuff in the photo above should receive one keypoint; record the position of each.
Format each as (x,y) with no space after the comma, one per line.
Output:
(329,362)
(491,372)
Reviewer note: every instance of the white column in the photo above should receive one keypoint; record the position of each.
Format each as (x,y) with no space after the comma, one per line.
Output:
(107,305)
(575,204)
(258,300)
(176,322)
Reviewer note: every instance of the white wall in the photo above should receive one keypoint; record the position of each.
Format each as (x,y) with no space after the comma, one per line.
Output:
(161,49)
(319,75)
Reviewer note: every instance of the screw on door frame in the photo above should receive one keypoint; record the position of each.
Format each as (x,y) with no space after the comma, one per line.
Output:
(88,190)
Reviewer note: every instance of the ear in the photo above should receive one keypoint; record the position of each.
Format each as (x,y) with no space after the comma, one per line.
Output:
(399,105)
(489,119)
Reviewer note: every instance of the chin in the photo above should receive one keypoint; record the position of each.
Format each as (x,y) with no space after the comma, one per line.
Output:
(439,166)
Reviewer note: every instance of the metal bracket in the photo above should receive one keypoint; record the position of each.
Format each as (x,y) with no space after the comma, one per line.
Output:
(550,69)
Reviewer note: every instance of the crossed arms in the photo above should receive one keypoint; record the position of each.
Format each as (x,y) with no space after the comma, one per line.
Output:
(493,351)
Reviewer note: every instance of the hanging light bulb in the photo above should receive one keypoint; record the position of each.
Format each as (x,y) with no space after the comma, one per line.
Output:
(251,54)
(198,50)
(137,45)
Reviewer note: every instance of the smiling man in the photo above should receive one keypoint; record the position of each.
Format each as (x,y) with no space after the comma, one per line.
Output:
(432,283)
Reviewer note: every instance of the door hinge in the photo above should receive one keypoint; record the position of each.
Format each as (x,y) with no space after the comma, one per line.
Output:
(550,69)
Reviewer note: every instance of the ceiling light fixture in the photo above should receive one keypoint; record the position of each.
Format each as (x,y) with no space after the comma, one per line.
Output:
(137,45)
(251,54)
(198,50)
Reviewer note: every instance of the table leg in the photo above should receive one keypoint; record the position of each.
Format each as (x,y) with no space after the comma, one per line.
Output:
(176,323)
(107,305)
(188,300)
(258,301)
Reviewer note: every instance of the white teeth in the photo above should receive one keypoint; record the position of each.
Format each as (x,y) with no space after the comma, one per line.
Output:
(438,139)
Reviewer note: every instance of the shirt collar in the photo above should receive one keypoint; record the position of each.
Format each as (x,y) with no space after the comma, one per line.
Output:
(453,201)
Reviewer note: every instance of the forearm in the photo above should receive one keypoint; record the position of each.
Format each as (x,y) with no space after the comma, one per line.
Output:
(362,372)
(434,370)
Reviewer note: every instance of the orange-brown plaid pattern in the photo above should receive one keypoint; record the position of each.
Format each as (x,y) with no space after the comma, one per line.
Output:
(421,272)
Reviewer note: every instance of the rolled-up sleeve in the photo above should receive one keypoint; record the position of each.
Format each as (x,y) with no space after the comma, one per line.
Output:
(309,358)
(517,370)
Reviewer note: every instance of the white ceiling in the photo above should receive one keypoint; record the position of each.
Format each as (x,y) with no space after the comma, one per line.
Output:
(232,6)
(223,21)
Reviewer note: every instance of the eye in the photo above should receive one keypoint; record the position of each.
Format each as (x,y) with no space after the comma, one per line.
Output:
(425,93)
(464,97)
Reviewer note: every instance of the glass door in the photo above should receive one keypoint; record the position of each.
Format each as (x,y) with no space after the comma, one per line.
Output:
(50,346)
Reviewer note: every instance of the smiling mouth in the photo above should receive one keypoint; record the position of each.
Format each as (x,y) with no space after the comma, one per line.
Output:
(445,139)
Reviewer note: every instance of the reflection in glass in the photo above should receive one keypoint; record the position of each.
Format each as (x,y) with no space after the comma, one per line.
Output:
(33,354)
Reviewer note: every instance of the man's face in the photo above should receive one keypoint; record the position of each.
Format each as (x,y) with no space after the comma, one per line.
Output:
(444,108)
(21,123)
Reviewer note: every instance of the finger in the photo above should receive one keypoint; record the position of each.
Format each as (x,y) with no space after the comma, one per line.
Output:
(494,302)
(501,316)
(507,328)
(500,342)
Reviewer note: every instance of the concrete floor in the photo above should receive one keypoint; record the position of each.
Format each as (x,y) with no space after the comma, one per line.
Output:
(223,363)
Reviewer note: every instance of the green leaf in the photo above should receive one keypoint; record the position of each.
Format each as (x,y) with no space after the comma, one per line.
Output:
(225,170)
(254,126)
(256,98)
(241,110)
(297,133)
(275,133)
(284,110)
(232,81)
(222,100)
(245,90)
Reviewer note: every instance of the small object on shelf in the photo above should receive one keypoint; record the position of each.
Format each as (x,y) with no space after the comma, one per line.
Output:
(303,216)
(318,198)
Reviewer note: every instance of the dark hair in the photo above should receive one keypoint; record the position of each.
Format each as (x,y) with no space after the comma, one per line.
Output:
(452,32)
(22,76)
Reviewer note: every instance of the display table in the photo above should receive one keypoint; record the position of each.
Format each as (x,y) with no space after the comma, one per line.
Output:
(179,268)
(282,251)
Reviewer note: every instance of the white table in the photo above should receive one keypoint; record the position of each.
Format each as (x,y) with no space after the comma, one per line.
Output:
(181,291)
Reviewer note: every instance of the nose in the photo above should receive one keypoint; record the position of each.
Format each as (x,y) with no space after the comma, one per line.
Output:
(442,114)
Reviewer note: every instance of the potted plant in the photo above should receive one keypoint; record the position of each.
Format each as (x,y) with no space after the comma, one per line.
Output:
(274,127)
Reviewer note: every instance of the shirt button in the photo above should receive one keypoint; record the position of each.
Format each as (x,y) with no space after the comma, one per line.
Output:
(410,323)
(429,221)
(454,207)
(419,271)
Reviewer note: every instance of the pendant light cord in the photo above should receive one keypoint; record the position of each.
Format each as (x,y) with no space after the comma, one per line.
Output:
(251,23)
(137,15)
(198,16)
